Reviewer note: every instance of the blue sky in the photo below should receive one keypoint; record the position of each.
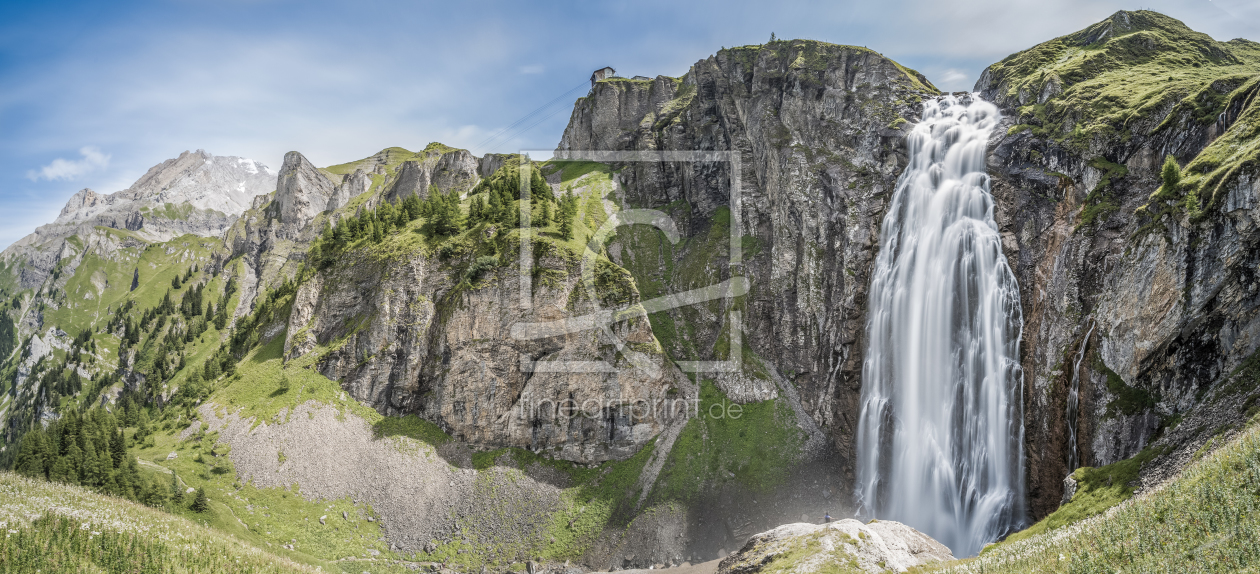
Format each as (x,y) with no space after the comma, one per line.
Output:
(92,94)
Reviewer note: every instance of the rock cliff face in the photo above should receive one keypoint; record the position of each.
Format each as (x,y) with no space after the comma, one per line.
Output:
(815,130)
(410,335)
(302,192)
(456,169)
(273,236)
(1171,296)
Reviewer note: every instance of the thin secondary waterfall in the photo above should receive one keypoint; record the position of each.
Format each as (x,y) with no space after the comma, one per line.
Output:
(940,437)
(1074,402)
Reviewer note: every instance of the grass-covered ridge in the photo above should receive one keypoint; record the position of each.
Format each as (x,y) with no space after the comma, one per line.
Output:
(1235,150)
(390,158)
(1134,65)
(1140,74)
(816,56)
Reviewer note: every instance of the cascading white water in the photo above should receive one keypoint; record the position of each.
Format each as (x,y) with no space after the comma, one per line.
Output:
(1074,401)
(940,437)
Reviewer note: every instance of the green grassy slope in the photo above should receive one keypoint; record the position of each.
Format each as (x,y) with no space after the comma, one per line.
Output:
(52,527)
(1141,74)
(1205,520)
(1113,73)
(102,283)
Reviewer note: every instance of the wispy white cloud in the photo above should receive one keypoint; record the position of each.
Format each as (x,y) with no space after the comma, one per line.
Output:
(951,75)
(146,85)
(62,169)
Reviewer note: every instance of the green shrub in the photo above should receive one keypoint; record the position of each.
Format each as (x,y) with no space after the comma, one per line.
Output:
(480,266)
(1171,174)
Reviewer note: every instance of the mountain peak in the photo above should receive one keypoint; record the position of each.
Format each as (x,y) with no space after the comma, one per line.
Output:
(198,179)
(1126,22)
(1106,75)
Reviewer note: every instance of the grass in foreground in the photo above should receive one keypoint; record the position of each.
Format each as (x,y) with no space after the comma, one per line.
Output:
(1205,520)
(51,527)
(1098,490)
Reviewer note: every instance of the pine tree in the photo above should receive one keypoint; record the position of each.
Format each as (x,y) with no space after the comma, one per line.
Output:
(177,493)
(475,209)
(74,463)
(544,217)
(1193,204)
(340,237)
(200,502)
(447,217)
(118,448)
(31,454)
(91,466)
(111,486)
(402,217)
(411,206)
(494,212)
(538,188)
(129,477)
(61,471)
(156,493)
(566,214)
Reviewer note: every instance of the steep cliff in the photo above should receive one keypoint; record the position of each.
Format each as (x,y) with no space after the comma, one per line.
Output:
(1164,275)
(815,129)
(409,331)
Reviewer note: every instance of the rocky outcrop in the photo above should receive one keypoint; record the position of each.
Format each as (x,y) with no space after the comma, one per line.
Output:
(815,129)
(842,546)
(302,192)
(352,186)
(491,163)
(455,169)
(406,335)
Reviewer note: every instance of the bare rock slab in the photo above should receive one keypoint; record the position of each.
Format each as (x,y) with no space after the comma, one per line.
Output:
(844,546)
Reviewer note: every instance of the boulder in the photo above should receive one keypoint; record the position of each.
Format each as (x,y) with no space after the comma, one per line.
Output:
(843,546)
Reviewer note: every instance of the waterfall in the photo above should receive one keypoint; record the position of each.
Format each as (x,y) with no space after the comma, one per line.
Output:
(940,435)
(1074,401)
